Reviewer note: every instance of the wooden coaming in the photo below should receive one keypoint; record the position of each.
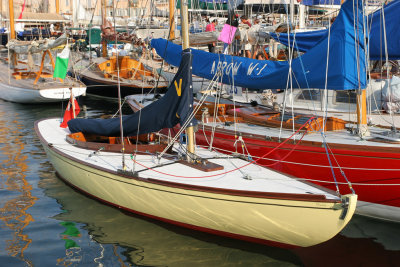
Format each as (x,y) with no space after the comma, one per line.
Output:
(128,68)
(265,117)
(113,144)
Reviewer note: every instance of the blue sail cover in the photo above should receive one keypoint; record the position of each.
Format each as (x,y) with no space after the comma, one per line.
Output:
(173,108)
(377,33)
(346,60)
(304,41)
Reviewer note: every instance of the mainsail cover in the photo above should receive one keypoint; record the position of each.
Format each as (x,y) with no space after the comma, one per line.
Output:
(385,23)
(304,41)
(346,60)
(173,108)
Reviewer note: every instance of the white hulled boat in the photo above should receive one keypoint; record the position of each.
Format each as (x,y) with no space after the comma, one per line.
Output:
(22,81)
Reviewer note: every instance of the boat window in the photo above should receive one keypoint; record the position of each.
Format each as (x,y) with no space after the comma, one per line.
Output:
(346,96)
(310,95)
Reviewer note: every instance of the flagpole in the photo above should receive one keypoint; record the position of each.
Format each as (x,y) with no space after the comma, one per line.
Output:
(71,98)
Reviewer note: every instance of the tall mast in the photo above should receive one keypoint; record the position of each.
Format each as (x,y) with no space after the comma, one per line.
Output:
(75,10)
(1,12)
(171,19)
(362,122)
(11,11)
(302,18)
(185,45)
(103,18)
(57,7)
(291,15)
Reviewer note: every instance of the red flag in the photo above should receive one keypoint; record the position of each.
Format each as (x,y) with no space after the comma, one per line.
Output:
(70,112)
(22,11)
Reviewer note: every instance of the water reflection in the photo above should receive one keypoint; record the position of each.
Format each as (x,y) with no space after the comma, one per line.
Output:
(15,189)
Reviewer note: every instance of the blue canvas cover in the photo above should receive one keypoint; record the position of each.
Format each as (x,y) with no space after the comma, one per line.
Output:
(173,108)
(346,60)
(304,41)
(377,37)
(301,41)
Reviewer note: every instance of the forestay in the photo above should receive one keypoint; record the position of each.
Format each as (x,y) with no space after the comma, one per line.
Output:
(346,59)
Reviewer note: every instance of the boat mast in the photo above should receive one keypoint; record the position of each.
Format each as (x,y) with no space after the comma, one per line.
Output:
(362,112)
(103,18)
(302,18)
(57,7)
(291,14)
(363,130)
(185,45)
(171,19)
(11,11)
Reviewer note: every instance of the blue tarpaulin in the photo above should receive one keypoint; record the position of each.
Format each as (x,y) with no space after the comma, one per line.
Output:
(304,41)
(391,13)
(173,108)
(346,60)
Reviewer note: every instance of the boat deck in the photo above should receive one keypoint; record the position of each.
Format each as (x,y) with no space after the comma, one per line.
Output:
(247,177)
(90,71)
(42,84)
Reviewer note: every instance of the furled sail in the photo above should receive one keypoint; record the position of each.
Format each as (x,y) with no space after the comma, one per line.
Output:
(25,47)
(346,59)
(173,108)
(304,41)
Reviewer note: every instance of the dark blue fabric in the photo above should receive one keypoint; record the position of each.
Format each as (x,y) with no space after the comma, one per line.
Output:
(346,61)
(304,41)
(167,112)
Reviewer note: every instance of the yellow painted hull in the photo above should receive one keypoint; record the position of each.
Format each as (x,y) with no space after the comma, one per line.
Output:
(279,222)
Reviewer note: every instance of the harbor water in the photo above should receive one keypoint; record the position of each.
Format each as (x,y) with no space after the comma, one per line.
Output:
(44,222)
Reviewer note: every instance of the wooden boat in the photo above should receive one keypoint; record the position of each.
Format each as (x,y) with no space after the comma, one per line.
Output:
(101,77)
(23,82)
(267,207)
(119,75)
(187,185)
(35,86)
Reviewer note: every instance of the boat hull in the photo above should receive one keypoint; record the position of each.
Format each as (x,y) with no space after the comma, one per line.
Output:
(374,174)
(280,221)
(34,96)
(110,89)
